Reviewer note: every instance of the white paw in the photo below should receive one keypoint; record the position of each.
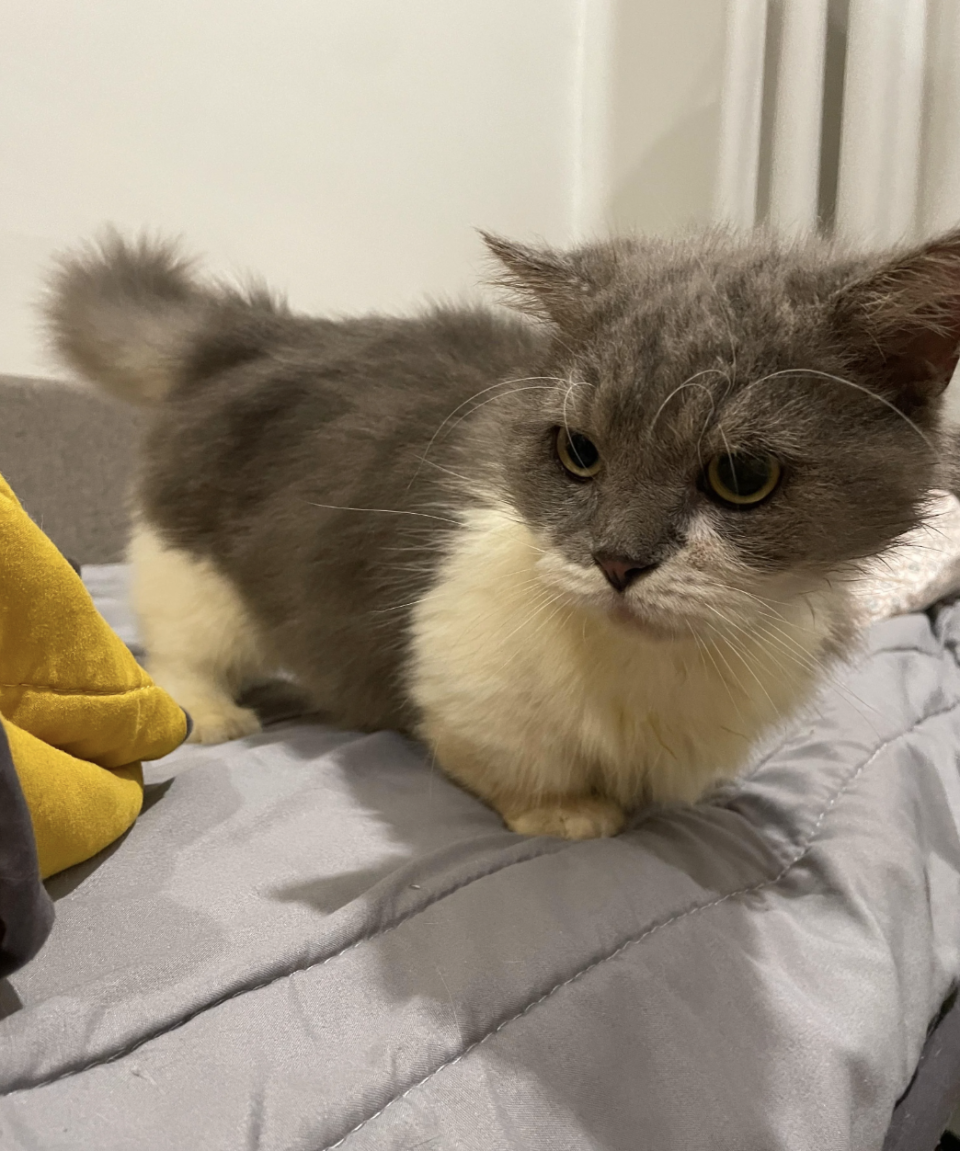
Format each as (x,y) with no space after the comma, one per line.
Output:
(583,818)
(218,723)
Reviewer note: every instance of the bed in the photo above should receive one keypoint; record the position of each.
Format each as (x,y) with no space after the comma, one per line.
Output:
(311,939)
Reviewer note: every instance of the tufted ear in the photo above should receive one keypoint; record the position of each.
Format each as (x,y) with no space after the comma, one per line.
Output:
(901,322)
(557,286)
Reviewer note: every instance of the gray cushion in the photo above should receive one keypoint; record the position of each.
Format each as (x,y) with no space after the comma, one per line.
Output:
(69,455)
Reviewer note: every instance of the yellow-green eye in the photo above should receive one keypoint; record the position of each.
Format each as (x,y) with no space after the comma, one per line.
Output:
(578,453)
(743,478)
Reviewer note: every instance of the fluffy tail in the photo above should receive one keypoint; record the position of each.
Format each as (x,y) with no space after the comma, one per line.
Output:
(125,315)
(132,318)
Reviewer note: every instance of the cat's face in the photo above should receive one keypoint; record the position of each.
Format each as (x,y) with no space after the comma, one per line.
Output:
(712,440)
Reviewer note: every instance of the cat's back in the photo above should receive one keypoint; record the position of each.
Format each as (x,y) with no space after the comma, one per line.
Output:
(337,411)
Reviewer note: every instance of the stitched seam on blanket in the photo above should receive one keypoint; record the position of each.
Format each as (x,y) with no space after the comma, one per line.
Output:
(912,650)
(779,746)
(550,849)
(655,927)
(79,691)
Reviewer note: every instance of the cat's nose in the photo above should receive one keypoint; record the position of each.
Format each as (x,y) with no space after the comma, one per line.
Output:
(621,571)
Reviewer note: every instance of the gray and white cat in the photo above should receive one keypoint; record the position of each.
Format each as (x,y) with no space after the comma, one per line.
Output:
(590,557)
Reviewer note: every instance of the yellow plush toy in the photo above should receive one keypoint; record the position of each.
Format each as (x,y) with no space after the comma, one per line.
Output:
(78,711)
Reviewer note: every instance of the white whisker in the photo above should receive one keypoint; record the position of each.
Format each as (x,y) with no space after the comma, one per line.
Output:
(469,400)
(850,384)
(384,511)
(688,383)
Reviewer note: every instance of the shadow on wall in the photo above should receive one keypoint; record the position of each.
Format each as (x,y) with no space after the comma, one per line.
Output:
(664,101)
(652,193)
(665,123)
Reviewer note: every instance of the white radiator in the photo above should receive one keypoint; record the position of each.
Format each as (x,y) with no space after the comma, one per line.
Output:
(841,114)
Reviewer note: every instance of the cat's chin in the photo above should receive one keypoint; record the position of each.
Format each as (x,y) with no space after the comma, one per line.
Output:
(650,626)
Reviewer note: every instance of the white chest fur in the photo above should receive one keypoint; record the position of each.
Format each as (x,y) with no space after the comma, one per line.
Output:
(525,695)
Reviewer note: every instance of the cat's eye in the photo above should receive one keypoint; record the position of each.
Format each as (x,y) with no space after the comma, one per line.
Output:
(743,478)
(578,454)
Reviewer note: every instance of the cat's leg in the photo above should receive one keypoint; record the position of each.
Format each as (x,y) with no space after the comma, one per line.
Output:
(201,644)
(531,809)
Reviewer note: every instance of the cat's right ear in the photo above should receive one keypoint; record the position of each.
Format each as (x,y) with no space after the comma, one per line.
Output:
(550,285)
(901,322)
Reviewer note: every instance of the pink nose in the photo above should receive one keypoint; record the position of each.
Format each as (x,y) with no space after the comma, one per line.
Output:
(620,570)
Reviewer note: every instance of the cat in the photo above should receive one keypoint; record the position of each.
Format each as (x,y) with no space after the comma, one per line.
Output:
(590,550)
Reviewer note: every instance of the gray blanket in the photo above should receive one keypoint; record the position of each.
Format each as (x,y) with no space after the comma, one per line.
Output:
(312,940)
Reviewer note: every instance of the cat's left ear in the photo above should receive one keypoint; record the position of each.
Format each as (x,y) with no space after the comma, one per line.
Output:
(557,286)
(902,322)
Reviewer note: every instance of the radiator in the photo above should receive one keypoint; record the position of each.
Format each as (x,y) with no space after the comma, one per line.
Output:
(841,114)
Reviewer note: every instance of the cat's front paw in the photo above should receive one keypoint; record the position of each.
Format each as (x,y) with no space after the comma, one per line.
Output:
(222,722)
(583,818)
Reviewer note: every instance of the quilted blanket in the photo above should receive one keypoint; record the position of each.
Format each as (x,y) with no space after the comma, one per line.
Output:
(312,940)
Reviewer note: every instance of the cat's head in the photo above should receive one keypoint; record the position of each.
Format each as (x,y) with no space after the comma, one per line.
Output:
(719,428)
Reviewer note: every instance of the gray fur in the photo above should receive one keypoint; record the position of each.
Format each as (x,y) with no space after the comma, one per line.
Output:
(664,353)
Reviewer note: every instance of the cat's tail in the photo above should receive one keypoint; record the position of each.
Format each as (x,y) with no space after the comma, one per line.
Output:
(131,317)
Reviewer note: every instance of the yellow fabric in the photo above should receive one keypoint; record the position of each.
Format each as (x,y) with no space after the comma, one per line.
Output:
(78,711)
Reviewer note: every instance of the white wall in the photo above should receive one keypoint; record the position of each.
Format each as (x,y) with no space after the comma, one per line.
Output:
(345,150)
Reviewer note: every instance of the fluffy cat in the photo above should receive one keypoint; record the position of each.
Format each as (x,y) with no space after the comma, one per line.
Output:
(591,556)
